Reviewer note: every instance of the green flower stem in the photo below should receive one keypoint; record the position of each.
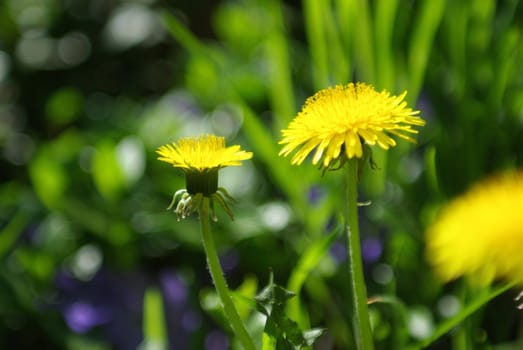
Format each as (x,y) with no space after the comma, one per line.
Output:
(219,281)
(360,311)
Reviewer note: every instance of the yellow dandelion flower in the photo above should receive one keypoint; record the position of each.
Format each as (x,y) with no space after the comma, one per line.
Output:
(201,158)
(345,118)
(201,154)
(480,234)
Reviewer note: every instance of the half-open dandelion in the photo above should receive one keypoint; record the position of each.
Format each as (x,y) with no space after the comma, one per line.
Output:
(480,233)
(200,158)
(339,122)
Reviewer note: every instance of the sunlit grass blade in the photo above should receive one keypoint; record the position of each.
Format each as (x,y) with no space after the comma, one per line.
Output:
(294,187)
(421,42)
(457,18)
(340,62)
(268,342)
(184,36)
(315,29)
(328,31)
(154,329)
(431,171)
(280,82)
(385,14)
(267,150)
(363,40)
(309,260)
(454,321)
(344,18)
(505,60)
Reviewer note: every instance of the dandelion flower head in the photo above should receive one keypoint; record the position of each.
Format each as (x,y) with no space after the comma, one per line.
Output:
(480,234)
(339,121)
(203,153)
(200,158)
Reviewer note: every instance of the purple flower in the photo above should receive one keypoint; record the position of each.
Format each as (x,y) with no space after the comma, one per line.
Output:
(339,251)
(371,249)
(229,260)
(216,340)
(82,316)
(315,194)
(174,287)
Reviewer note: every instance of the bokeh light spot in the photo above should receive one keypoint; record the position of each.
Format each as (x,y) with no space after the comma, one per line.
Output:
(86,262)
(382,274)
(420,323)
(448,305)
(275,215)
(74,48)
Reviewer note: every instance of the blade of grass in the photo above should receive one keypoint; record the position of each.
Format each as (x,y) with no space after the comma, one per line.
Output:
(309,260)
(179,32)
(506,58)
(154,330)
(363,41)
(280,82)
(454,321)
(457,19)
(340,60)
(384,27)
(267,150)
(344,19)
(315,29)
(425,28)
(294,187)
(431,171)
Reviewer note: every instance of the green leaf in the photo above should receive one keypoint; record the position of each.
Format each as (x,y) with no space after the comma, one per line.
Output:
(107,174)
(153,322)
(64,106)
(49,178)
(271,302)
(10,232)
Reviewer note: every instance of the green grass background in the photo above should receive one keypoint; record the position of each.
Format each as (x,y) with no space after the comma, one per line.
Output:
(88,91)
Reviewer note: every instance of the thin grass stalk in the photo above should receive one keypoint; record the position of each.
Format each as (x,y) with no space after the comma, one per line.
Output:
(363,40)
(457,319)
(385,14)
(421,42)
(154,330)
(339,64)
(345,20)
(280,82)
(315,28)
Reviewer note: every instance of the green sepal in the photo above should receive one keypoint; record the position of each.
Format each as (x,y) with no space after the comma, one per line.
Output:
(205,182)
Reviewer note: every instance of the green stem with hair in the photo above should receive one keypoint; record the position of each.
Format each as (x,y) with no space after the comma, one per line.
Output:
(219,280)
(360,311)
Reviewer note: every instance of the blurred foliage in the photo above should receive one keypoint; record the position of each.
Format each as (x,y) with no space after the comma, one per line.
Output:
(89,89)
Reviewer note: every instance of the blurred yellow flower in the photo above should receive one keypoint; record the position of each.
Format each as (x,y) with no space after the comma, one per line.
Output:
(201,158)
(343,119)
(480,234)
(202,153)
